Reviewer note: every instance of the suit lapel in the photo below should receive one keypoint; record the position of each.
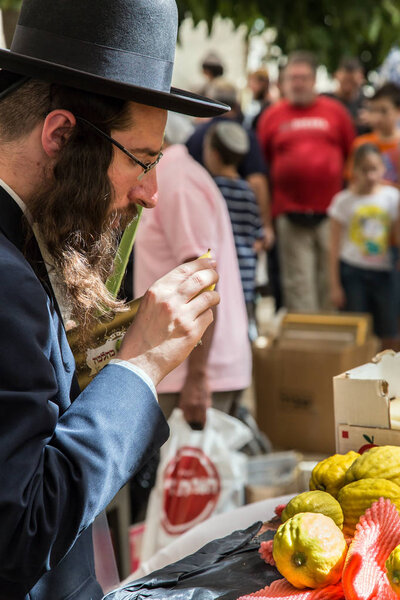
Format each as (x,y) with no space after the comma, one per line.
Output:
(11,219)
(13,226)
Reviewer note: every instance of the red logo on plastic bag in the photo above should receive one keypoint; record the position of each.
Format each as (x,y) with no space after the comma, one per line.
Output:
(191,490)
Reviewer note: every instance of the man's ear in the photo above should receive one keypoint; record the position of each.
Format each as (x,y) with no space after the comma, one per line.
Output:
(57,128)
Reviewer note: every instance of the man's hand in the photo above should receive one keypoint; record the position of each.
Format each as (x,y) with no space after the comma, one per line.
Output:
(195,398)
(172,318)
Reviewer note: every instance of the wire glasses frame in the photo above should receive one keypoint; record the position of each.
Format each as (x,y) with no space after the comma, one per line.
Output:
(145,166)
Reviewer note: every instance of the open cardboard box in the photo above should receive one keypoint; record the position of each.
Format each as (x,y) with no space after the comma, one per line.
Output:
(293,376)
(362,399)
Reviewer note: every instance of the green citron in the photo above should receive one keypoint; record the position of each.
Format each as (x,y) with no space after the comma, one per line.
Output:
(393,569)
(357,496)
(382,462)
(309,550)
(329,474)
(315,502)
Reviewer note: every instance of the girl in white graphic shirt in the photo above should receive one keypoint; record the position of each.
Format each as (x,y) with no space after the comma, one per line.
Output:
(364,219)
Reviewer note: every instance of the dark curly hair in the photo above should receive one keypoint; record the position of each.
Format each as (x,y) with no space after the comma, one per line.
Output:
(72,208)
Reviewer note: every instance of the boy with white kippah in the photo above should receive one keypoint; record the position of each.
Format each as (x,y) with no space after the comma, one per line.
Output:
(225,145)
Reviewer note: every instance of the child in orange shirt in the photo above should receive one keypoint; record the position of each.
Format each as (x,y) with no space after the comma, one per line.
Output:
(384,109)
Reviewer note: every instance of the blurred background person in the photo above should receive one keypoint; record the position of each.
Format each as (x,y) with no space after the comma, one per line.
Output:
(181,129)
(211,67)
(350,79)
(363,219)
(252,167)
(384,110)
(190,217)
(279,81)
(258,83)
(225,144)
(306,140)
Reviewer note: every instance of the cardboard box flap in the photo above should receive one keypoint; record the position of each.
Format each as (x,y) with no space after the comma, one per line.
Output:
(361,401)
(367,371)
(387,368)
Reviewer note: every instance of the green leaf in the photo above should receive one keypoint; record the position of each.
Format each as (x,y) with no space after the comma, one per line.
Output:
(6,4)
(375,27)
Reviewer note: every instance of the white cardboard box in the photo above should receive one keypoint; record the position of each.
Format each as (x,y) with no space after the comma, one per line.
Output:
(362,403)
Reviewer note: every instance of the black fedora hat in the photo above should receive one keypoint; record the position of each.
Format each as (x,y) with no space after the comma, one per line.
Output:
(119,48)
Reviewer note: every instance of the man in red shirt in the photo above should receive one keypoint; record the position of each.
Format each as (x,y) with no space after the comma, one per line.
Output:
(306,139)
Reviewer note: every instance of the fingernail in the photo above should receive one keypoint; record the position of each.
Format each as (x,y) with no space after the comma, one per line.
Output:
(213,263)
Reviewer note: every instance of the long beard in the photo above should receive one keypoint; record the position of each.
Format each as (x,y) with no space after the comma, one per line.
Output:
(82,239)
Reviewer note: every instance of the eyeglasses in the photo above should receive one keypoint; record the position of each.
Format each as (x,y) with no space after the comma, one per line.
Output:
(145,166)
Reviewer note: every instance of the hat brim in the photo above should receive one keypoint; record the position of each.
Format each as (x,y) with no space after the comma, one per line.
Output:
(177,100)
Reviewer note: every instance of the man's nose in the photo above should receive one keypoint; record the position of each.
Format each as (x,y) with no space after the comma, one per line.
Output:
(146,194)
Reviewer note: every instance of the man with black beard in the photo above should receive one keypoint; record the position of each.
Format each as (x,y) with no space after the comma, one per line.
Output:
(84,93)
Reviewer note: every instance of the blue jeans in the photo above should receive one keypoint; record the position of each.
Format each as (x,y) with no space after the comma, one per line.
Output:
(373,292)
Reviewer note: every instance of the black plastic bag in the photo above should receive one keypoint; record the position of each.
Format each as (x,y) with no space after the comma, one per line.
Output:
(225,568)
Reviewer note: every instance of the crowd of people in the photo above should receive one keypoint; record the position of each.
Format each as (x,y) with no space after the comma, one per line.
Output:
(312,179)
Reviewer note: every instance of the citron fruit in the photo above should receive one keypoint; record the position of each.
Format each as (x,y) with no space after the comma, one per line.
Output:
(329,474)
(381,462)
(393,569)
(210,288)
(315,502)
(357,496)
(309,550)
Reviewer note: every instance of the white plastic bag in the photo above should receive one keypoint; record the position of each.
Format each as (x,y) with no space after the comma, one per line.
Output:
(201,473)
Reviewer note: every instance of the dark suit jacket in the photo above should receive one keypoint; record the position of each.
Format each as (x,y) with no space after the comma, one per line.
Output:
(60,463)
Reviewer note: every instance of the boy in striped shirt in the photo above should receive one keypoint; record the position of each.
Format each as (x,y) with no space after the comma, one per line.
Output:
(225,144)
